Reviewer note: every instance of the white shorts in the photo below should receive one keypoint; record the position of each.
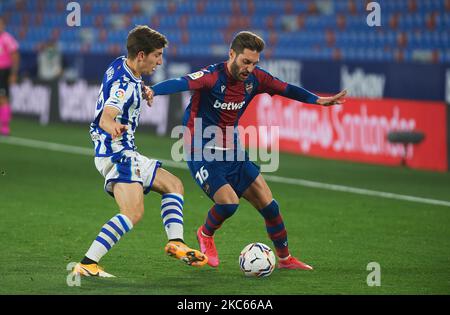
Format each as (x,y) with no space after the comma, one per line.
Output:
(127,167)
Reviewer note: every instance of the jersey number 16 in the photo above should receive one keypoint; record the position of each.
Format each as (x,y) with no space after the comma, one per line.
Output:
(202,175)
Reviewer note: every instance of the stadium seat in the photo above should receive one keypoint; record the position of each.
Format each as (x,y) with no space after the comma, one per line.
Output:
(300,26)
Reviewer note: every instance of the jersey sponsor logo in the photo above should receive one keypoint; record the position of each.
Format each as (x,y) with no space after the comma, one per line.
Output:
(196,75)
(222,88)
(228,106)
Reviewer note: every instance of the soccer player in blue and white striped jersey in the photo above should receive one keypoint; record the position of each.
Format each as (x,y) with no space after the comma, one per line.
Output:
(128,174)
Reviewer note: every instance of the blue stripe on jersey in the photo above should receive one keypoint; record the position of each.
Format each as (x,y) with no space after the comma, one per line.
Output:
(125,119)
(210,116)
(107,141)
(147,190)
(124,168)
(97,145)
(135,122)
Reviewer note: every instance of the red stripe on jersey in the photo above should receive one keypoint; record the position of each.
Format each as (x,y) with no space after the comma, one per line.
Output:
(206,81)
(234,93)
(195,106)
(268,83)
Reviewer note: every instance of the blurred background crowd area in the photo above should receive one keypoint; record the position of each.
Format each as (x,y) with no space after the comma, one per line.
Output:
(397,74)
(412,30)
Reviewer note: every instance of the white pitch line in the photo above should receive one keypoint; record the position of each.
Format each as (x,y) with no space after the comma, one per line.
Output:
(272,178)
(359,191)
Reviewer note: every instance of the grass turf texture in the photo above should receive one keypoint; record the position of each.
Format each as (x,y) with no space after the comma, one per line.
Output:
(53,205)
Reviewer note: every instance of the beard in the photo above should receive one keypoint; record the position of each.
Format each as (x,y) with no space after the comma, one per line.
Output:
(235,73)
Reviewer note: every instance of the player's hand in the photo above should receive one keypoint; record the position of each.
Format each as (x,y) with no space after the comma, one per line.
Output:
(118,130)
(148,95)
(337,99)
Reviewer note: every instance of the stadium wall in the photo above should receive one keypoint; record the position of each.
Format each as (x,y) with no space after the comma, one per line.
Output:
(355,131)
(364,79)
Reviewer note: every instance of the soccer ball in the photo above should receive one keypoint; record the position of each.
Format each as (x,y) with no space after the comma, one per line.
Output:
(257,260)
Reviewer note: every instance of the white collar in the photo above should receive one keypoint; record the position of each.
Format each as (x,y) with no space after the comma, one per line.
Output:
(127,69)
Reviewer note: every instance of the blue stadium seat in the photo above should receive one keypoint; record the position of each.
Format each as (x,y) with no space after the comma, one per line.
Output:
(207,29)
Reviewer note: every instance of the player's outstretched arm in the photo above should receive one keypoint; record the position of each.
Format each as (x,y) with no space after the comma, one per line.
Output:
(305,96)
(337,99)
(108,123)
(170,86)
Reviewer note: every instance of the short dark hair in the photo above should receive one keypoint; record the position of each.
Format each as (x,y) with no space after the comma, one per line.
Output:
(249,40)
(143,38)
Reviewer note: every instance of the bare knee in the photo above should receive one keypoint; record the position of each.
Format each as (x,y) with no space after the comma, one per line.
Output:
(232,199)
(130,199)
(135,213)
(226,195)
(175,186)
(165,182)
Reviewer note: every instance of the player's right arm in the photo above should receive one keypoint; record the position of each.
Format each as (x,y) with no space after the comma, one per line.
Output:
(120,92)
(109,124)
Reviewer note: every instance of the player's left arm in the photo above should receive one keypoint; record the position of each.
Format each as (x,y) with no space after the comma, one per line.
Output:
(273,85)
(305,96)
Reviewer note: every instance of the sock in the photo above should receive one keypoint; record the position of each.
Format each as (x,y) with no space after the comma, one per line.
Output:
(87,261)
(177,240)
(216,216)
(109,235)
(275,228)
(172,215)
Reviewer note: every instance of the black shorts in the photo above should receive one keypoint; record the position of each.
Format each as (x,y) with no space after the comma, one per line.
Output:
(4,82)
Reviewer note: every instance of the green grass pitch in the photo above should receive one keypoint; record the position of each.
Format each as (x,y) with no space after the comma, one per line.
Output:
(53,205)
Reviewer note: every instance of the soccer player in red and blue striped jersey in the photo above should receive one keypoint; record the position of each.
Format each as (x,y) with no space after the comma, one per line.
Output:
(222,92)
